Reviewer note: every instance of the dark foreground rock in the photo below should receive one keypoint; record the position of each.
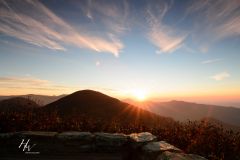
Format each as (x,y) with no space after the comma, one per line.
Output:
(86,145)
(179,156)
(110,142)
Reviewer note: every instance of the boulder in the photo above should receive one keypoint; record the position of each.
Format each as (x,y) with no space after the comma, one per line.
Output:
(151,150)
(142,137)
(139,139)
(179,156)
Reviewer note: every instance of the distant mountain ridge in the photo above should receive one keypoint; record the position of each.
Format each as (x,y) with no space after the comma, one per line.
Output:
(100,106)
(182,111)
(17,104)
(40,99)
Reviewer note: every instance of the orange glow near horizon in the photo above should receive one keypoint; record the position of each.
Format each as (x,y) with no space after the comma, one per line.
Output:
(137,93)
(140,95)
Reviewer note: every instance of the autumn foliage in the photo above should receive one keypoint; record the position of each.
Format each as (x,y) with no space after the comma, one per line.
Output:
(208,140)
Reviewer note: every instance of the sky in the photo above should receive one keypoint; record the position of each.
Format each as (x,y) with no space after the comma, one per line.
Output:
(164,48)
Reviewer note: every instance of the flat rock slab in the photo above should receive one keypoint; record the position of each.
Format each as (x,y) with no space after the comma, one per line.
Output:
(75,136)
(160,146)
(77,141)
(118,136)
(37,134)
(142,137)
(107,139)
(179,156)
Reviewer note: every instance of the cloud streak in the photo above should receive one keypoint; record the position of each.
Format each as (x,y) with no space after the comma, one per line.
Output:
(34,23)
(19,85)
(29,84)
(221,76)
(22,81)
(165,37)
(103,22)
(211,61)
(219,19)
(114,15)
(208,22)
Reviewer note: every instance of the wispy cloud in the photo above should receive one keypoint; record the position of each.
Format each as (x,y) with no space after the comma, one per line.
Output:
(22,81)
(230,28)
(113,15)
(30,83)
(221,76)
(165,37)
(34,23)
(19,85)
(211,61)
(215,19)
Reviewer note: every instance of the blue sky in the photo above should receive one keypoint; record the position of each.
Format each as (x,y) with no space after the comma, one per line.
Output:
(166,48)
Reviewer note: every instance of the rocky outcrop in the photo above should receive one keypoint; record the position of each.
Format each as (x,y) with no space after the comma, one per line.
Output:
(143,146)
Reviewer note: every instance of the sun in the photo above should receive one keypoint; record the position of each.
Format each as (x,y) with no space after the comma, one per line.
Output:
(139,94)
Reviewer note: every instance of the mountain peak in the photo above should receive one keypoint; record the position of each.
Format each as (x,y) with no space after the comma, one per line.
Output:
(88,92)
(88,96)
(97,105)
